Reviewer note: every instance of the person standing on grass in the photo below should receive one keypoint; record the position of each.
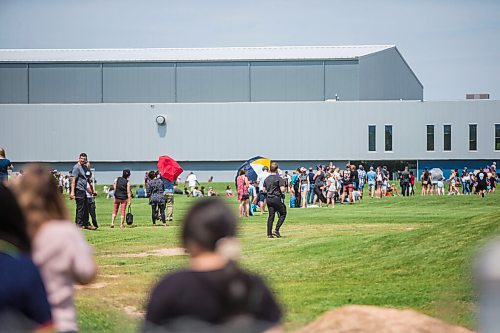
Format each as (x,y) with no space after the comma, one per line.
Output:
(303,187)
(91,194)
(192,182)
(310,193)
(370,177)
(78,192)
(242,185)
(5,166)
(412,183)
(481,178)
(123,196)
(361,179)
(59,249)
(405,181)
(169,197)
(262,195)
(319,181)
(155,192)
(274,186)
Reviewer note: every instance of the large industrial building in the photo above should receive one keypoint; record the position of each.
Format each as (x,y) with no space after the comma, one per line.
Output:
(221,106)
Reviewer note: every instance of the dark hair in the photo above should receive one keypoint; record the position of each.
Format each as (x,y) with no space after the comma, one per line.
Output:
(83,155)
(152,174)
(208,220)
(13,226)
(242,172)
(126,173)
(274,166)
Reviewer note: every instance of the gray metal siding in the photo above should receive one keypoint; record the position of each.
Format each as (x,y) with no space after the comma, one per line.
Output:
(212,82)
(287,81)
(65,83)
(138,82)
(13,83)
(386,76)
(342,79)
(216,132)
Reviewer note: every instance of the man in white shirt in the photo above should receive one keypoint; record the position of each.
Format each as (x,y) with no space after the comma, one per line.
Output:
(192,181)
(262,195)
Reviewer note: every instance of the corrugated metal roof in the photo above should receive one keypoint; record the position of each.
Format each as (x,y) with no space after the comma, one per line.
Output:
(189,54)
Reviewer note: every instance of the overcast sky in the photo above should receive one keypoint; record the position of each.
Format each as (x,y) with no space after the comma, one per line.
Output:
(453,46)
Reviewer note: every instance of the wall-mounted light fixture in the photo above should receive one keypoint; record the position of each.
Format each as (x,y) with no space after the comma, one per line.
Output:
(161,120)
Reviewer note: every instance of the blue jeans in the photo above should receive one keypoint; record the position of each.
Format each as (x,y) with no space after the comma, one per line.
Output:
(310,194)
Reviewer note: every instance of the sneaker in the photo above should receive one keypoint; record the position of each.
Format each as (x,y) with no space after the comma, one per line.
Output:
(277,233)
(112,226)
(270,236)
(89,227)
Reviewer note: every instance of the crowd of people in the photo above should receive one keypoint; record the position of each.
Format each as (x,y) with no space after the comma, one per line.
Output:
(43,254)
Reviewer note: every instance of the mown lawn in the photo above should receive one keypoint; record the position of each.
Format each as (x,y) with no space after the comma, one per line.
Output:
(400,252)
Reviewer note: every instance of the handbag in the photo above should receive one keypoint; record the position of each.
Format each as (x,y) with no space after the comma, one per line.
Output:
(129,218)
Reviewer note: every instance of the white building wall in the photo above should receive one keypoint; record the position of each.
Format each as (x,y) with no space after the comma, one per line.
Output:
(236,131)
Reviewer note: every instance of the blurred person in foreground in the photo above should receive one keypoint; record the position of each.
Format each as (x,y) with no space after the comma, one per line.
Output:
(213,294)
(59,248)
(23,300)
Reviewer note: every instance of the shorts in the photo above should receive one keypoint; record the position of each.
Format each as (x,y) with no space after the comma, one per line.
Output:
(244,196)
(434,184)
(304,188)
(347,188)
(360,186)
(439,184)
(371,184)
(117,204)
(331,194)
(262,196)
(480,187)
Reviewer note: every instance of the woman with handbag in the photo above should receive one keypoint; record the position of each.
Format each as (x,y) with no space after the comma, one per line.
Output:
(123,196)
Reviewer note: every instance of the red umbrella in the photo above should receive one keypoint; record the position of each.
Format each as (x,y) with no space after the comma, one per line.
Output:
(169,168)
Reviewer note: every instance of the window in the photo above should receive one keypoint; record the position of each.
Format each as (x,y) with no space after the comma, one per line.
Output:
(388,137)
(473,137)
(430,137)
(371,138)
(497,136)
(447,137)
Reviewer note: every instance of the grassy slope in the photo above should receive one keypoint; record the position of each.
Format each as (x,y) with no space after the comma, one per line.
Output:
(407,253)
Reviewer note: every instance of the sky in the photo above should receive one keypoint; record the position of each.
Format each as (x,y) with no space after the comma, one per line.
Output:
(453,46)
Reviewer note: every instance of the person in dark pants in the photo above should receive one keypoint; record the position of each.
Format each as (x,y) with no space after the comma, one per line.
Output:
(319,181)
(310,194)
(405,182)
(274,185)
(154,190)
(91,199)
(78,192)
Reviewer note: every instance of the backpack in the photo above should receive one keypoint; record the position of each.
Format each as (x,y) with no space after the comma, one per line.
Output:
(292,202)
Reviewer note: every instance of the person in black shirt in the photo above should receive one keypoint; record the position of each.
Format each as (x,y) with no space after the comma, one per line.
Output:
(405,182)
(481,186)
(319,181)
(214,294)
(275,187)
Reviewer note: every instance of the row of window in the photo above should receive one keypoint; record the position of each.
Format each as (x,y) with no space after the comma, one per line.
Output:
(430,137)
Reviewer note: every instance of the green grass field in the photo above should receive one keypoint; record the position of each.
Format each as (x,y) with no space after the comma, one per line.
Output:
(398,252)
